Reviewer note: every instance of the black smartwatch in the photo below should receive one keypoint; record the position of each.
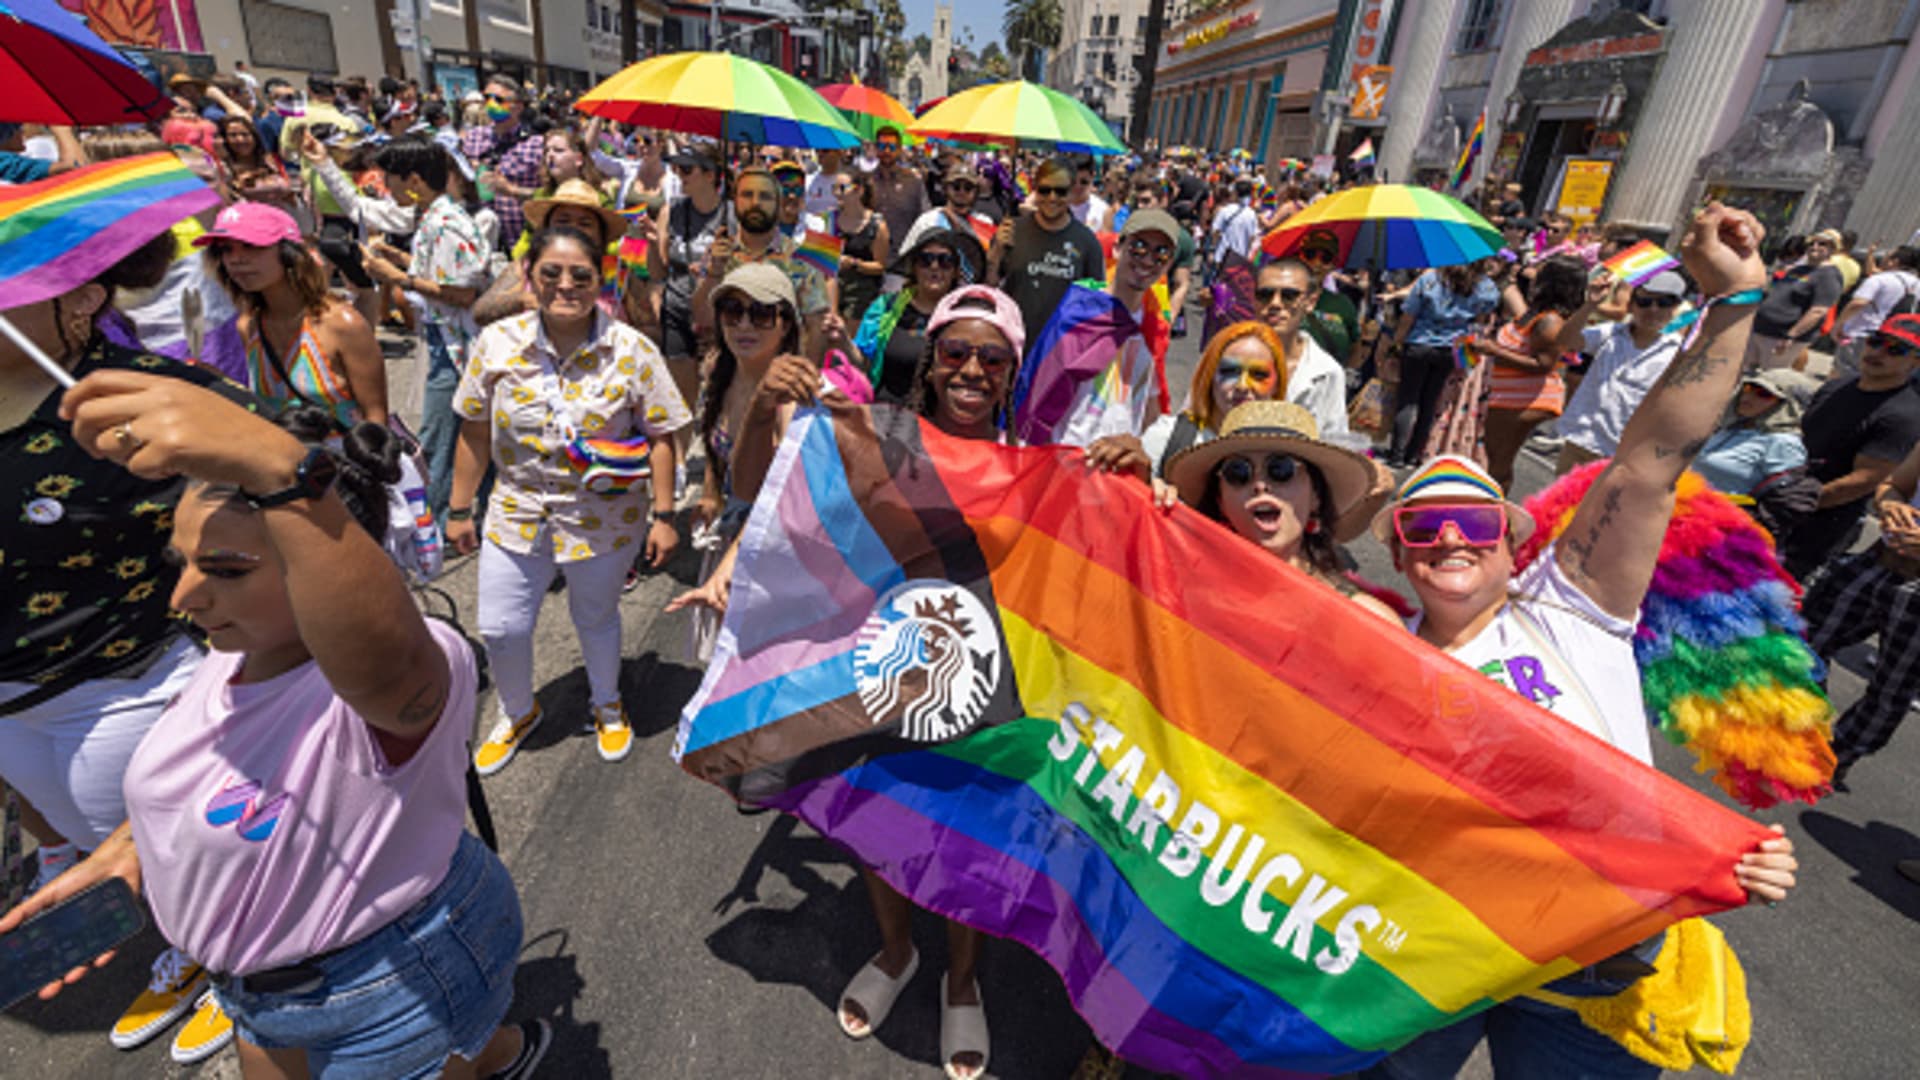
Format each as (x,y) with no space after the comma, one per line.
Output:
(665,516)
(311,480)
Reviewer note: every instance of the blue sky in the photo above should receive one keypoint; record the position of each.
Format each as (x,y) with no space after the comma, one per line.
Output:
(982,15)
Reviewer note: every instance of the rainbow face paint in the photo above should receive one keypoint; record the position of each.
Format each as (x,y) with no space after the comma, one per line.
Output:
(497,112)
(1256,377)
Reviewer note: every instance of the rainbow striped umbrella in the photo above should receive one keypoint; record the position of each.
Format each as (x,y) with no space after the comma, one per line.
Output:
(722,96)
(56,70)
(1019,113)
(868,109)
(1390,227)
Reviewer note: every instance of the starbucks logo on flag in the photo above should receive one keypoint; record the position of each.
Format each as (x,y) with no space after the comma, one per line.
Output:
(929,658)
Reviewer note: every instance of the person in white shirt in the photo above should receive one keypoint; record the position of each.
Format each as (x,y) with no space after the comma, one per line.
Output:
(1629,356)
(1561,633)
(1872,303)
(821,200)
(1088,207)
(1283,294)
(1236,227)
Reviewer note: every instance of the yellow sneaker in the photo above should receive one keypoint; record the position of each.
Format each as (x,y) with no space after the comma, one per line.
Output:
(205,1035)
(611,732)
(505,741)
(176,981)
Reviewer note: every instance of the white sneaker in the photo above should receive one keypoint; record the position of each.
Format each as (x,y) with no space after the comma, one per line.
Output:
(55,859)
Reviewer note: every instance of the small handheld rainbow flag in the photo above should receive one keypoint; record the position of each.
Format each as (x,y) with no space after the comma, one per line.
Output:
(633,253)
(1362,154)
(1464,356)
(1640,262)
(820,251)
(60,233)
(1469,152)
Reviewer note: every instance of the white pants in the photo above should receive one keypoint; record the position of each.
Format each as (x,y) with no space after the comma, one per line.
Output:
(511,589)
(68,755)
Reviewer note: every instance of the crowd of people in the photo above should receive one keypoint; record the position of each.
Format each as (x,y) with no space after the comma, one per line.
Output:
(616,324)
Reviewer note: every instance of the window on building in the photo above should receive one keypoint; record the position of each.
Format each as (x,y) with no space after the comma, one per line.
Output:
(606,18)
(279,35)
(1107,67)
(1113,26)
(1847,85)
(509,14)
(593,15)
(1093,28)
(1140,27)
(1478,26)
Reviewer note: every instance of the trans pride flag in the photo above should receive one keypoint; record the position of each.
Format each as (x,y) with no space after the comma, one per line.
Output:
(1256,830)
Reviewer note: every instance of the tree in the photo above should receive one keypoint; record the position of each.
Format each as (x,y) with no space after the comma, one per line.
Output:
(923,46)
(1031,27)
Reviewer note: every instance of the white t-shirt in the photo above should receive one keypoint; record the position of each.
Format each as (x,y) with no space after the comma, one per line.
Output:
(1621,376)
(1318,383)
(1554,646)
(1092,213)
(821,200)
(1881,292)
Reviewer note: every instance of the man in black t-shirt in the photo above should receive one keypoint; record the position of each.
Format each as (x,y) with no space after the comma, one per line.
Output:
(1796,304)
(1856,430)
(1038,254)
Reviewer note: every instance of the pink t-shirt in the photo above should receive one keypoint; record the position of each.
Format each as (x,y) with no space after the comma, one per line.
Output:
(270,826)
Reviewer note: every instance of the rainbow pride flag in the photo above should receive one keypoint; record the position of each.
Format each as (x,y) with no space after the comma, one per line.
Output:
(1256,830)
(1475,139)
(1362,154)
(820,251)
(1091,340)
(1641,261)
(60,233)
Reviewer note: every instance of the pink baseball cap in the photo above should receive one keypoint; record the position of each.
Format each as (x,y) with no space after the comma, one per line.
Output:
(982,302)
(251,223)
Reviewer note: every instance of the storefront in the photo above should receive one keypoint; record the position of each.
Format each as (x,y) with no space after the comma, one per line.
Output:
(1243,73)
(1570,119)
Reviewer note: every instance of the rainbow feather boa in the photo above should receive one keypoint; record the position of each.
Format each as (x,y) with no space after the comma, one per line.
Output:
(1724,664)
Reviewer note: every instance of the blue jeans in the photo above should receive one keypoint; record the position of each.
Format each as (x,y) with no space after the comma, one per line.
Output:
(439,424)
(1527,1038)
(434,982)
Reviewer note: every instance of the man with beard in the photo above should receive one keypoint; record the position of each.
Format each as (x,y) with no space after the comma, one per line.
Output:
(1036,255)
(756,206)
(898,192)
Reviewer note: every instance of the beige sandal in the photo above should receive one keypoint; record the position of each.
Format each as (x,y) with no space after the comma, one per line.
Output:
(963,1030)
(875,993)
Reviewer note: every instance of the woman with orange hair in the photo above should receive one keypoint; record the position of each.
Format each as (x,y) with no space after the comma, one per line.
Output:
(1243,362)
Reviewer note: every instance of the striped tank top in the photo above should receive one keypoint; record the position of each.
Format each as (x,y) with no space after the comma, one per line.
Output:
(302,377)
(1511,388)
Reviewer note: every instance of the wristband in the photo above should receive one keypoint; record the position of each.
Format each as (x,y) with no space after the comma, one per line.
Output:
(665,517)
(1691,321)
(461,514)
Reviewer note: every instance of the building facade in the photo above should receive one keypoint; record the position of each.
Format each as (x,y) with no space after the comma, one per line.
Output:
(1242,74)
(1097,61)
(1805,111)
(926,76)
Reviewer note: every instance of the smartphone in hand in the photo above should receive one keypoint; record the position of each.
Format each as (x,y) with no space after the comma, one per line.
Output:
(54,942)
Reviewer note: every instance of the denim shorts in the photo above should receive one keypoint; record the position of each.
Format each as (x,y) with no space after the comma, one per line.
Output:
(433,982)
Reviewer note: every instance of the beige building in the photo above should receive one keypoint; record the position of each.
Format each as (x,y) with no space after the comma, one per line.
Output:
(1242,74)
(1096,61)
(926,76)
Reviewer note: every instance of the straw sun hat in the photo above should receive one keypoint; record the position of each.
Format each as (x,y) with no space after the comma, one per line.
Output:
(1279,427)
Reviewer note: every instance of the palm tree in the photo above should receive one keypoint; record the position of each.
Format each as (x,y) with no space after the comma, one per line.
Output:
(1030,27)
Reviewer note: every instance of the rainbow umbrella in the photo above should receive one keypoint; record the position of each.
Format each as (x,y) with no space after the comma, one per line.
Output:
(724,97)
(57,71)
(1019,113)
(1390,227)
(868,109)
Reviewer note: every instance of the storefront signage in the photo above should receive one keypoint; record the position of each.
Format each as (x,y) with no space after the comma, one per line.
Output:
(1369,92)
(1369,35)
(1212,32)
(1603,49)
(1584,189)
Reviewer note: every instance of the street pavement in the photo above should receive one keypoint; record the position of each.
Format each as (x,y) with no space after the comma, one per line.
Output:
(669,936)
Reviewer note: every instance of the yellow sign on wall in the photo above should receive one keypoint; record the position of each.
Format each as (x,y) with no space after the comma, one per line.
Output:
(1584,189)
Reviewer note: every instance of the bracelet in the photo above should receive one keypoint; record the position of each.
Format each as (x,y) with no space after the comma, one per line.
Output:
(464,513)
(1691,321)
(665,517)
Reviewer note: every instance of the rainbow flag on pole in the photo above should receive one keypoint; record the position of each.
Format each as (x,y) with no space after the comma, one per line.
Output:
(1255,829)
(1640,262)
(1362,154)
(820,251)
(60,233)
(1469,152)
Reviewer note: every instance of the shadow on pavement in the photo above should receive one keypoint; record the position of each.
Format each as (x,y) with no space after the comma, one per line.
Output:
(1871,850)
(820,943)
(654,690)
(546,986)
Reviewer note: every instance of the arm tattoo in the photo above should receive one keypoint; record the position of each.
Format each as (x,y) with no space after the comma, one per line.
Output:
(1690,368)
(1583,547)
(1685,453)
(423,707)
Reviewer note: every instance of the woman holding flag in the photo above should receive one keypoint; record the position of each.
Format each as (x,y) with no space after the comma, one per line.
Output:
(1562,631)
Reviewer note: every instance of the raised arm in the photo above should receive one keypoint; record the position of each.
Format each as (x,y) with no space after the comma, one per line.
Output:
(1610,547)
(369,640)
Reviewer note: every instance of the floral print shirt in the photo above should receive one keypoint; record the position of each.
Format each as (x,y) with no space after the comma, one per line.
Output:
(87,593)
(614,387)
(449,249)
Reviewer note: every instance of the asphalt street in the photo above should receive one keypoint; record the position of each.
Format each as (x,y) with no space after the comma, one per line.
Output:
(669,936)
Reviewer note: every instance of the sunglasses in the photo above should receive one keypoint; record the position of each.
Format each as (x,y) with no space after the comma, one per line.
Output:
(1155,253)
(1317,255)
(937,259)
(886,145)
(962,185)
(794,189)
(732,310)
(683,170)
(1051,191)
(499,100)
(1265,294)
(954,353)
(844,189)
(1479,524)
(1656,301)
(576,275)
(1237,472)
(1893,346)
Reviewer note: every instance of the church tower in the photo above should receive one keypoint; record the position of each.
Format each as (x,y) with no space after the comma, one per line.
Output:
(942,49)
